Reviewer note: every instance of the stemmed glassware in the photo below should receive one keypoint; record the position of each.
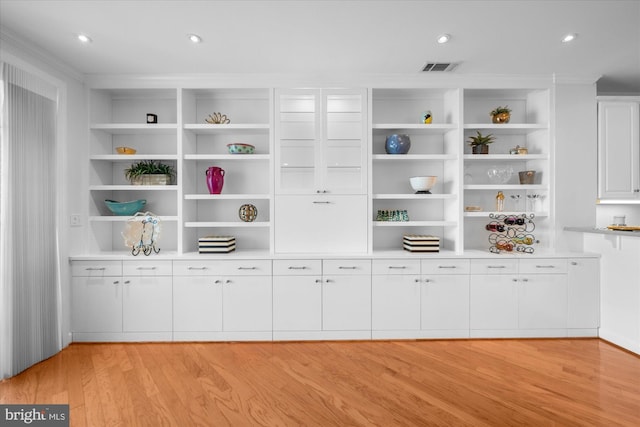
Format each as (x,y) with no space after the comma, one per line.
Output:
(516,199)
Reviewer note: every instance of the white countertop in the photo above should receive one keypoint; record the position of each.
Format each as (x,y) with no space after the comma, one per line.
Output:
(603,231)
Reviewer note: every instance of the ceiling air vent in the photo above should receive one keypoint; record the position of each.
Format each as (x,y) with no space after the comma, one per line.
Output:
(439,66)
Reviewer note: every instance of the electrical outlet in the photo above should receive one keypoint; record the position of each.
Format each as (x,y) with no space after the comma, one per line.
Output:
(74,220)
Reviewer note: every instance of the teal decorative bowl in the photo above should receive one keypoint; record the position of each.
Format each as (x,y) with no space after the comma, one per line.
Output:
(125,208)
(238,148)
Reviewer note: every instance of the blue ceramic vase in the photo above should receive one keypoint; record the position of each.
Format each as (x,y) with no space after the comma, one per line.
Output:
(397,144)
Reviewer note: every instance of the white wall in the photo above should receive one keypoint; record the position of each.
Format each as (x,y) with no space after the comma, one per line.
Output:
(72,134)
(576,161)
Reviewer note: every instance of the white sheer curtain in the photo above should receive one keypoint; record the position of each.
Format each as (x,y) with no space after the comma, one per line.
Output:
(30,315)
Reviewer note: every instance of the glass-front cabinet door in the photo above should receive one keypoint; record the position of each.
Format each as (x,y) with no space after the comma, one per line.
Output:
(321,141)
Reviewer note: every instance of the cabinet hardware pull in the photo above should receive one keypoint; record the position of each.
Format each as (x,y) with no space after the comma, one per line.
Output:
(321,191)
(399,267)
(447,266)
(321,202)
(227,281)
(496,266)
(145,268)
(297,268)
(197,268)
(525,280)
(417,280)
(545,266)
(116,282)
(347,268)
(514,280)
(328,281)
(247,268)
(574,263)
(217,281)
(95,268)
(318,281)
(126,282)
(427,280)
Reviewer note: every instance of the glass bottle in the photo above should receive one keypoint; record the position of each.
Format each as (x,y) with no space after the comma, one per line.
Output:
(500,201)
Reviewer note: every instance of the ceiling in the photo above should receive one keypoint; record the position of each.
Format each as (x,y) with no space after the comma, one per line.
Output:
(337,37)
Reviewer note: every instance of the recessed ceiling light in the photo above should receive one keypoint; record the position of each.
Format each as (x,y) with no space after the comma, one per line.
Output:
(84,38)
(443,38)
(195,38)
(569,37)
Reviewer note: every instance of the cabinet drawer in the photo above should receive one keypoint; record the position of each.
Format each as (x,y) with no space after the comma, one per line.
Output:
(147,268)
(392,266)
(543,266)
(445,266)
(304,267)
(222,268)
(346,266)
(494,266)
(96,268)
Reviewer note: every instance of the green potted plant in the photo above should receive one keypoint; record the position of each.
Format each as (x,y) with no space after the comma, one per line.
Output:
(480,143)
(150,172)
(501,114)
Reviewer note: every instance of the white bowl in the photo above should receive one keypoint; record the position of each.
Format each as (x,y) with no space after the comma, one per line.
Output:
(422,184)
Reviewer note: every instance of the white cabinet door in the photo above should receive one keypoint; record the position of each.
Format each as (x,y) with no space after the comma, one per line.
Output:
(583,293)
(320,224)
(321,140)
(346,303)
(247,302)
(197,304)
(445,302)
(618,150)
(395,302)
(542,301)
(297,303)
(494,301)
(96,304)
(146,304)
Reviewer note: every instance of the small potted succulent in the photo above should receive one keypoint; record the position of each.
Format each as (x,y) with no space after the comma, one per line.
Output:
(501,114)
(150,172)
(480,143)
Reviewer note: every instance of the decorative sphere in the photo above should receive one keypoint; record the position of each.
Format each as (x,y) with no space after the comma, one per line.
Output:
(248,213)
(397,144)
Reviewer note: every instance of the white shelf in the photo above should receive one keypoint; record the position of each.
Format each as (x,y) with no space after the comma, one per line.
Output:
(413,196)
(506,187)
(515,157)
(132,157)
(410,157)
(206,128)
(227,224)
(128,187)
(508,128)
(434,128)
(136,128)
(241,157)
(414,223)
(486,214)
(124,218)
(227,196)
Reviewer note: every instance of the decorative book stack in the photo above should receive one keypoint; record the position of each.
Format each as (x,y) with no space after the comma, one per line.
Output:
(416,243)
(216,244)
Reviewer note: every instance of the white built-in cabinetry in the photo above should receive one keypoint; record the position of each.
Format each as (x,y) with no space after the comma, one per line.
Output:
(619,149)
(320,159)
(350,298)
(321,171)
(121,300)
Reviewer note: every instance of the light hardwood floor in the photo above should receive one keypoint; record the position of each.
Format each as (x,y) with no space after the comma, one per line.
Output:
(558,382)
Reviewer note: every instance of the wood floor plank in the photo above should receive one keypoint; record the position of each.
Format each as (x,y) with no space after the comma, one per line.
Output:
(535,382)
